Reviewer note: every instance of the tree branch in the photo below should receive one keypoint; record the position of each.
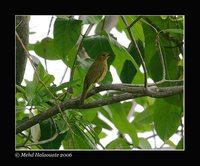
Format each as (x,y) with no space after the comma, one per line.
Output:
(128,93)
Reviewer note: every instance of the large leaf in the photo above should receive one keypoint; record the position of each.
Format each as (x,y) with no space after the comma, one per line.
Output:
(167,118)
(89,114)
(100,123)
(71,55)
(119,118)
(46,49)
(144,117)
(96,44)
(128,72)
(121,55)
(66,33)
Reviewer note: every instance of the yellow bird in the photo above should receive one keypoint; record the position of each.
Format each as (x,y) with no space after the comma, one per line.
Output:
(95,74)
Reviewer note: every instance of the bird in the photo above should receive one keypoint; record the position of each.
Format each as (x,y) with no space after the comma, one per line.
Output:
(95,74)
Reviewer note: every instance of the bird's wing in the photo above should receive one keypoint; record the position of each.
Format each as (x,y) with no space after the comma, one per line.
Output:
(94,73)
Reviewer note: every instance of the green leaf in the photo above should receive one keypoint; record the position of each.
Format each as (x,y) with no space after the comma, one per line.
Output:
(71,55)
(47,132)
(128,72)
(78,140)
(98,130)
(31,46)
(144,117)
(143,121)
(36,93)
(20,88)
(79,75)
(151,56)
(167,118)
(144,143)
(102,135)
(136,29)
(180,63)
(46,49)
(119,118)
(180,144)
(119,50)
(89,114)
(30,91)
(66,33)
(118,143)
(47,80)
(65,85)
(92,19)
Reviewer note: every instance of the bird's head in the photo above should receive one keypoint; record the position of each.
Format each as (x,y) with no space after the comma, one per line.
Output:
(103,56)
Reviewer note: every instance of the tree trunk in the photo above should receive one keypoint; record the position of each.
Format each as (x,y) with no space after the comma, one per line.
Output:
(22,28)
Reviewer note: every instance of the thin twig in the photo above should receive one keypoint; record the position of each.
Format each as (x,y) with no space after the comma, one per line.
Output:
(18,24)
(41,142)
(64,118)
(160,146)
(22,145)
(151,136)
(161,57)
(50,25)
(28,137)
(154,139)
(138,51)
(103,23)
(63,75)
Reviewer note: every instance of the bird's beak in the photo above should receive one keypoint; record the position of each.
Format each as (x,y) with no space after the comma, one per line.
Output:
(107,56)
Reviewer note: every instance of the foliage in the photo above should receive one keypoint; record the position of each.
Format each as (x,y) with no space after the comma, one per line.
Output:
(84,129)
